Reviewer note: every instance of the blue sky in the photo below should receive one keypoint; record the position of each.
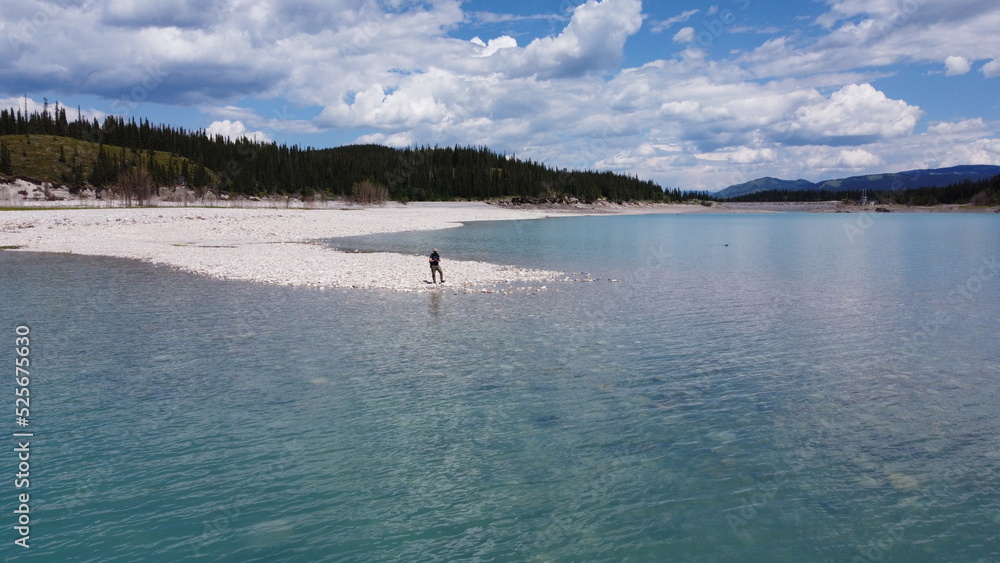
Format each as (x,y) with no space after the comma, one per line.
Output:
(690,94)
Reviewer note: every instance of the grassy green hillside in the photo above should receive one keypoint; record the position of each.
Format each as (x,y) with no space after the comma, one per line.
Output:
(63,160)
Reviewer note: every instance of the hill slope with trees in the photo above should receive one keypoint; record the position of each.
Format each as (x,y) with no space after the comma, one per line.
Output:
(982,193)
(911,179)
(48,146)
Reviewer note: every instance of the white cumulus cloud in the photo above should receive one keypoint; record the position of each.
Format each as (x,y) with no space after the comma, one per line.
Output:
(992,68)
(747,155)
(594,40)
(858,112)
(857,158)
(685,35)
(975,128)
(235,130)
(502,42)
(955,66)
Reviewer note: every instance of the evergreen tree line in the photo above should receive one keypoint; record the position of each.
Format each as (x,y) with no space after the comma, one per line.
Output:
(983,192)
(6,166)
(110,163)
(249,168)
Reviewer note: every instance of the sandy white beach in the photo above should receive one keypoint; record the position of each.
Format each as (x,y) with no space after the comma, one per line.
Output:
(273,246)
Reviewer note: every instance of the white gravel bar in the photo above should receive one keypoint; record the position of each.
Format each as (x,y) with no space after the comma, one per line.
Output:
(270,246)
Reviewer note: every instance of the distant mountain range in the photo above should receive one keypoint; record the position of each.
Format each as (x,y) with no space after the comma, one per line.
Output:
(910,179)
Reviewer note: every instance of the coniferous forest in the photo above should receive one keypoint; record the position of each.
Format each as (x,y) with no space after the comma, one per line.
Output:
(93,153)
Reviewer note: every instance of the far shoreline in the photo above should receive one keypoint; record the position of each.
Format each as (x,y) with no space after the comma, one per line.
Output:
(597,208)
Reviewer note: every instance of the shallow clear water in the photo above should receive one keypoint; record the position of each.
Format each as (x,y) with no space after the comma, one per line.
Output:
(759,387)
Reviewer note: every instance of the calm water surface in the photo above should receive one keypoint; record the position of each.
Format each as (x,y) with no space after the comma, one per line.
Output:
(751,387)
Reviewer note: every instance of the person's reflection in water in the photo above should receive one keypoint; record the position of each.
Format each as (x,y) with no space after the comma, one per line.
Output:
(436,304)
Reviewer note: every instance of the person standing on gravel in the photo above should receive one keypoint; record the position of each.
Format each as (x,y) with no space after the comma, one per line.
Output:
(435,261)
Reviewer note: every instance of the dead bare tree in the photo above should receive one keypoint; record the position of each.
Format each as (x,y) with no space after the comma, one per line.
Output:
(135,184)
(369,193)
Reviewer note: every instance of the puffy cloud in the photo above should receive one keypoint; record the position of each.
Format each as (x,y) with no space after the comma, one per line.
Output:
(746,155)
(856,158)
(33,105)
(970,141)
(967,128)
(487,90)
(879,33)
(18,104)
(955,66)
(992,69)
(856,113)
(232,113)
(830,164)
(502,42)
(685,35)
(984,151)
(236,130)
(413,101)
(694,54)
(398,140)
(594,40)
(689,109)
(281,121)
(227,49)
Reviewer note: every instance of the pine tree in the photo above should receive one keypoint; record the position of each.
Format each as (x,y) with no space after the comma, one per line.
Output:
(6,166)
(105,170)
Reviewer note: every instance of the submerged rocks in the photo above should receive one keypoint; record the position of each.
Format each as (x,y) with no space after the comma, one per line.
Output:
(902,482)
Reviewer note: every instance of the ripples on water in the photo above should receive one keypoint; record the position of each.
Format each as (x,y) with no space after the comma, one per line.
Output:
(791,396)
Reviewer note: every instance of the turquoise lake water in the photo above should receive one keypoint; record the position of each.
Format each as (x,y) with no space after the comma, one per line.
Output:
(790,387)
